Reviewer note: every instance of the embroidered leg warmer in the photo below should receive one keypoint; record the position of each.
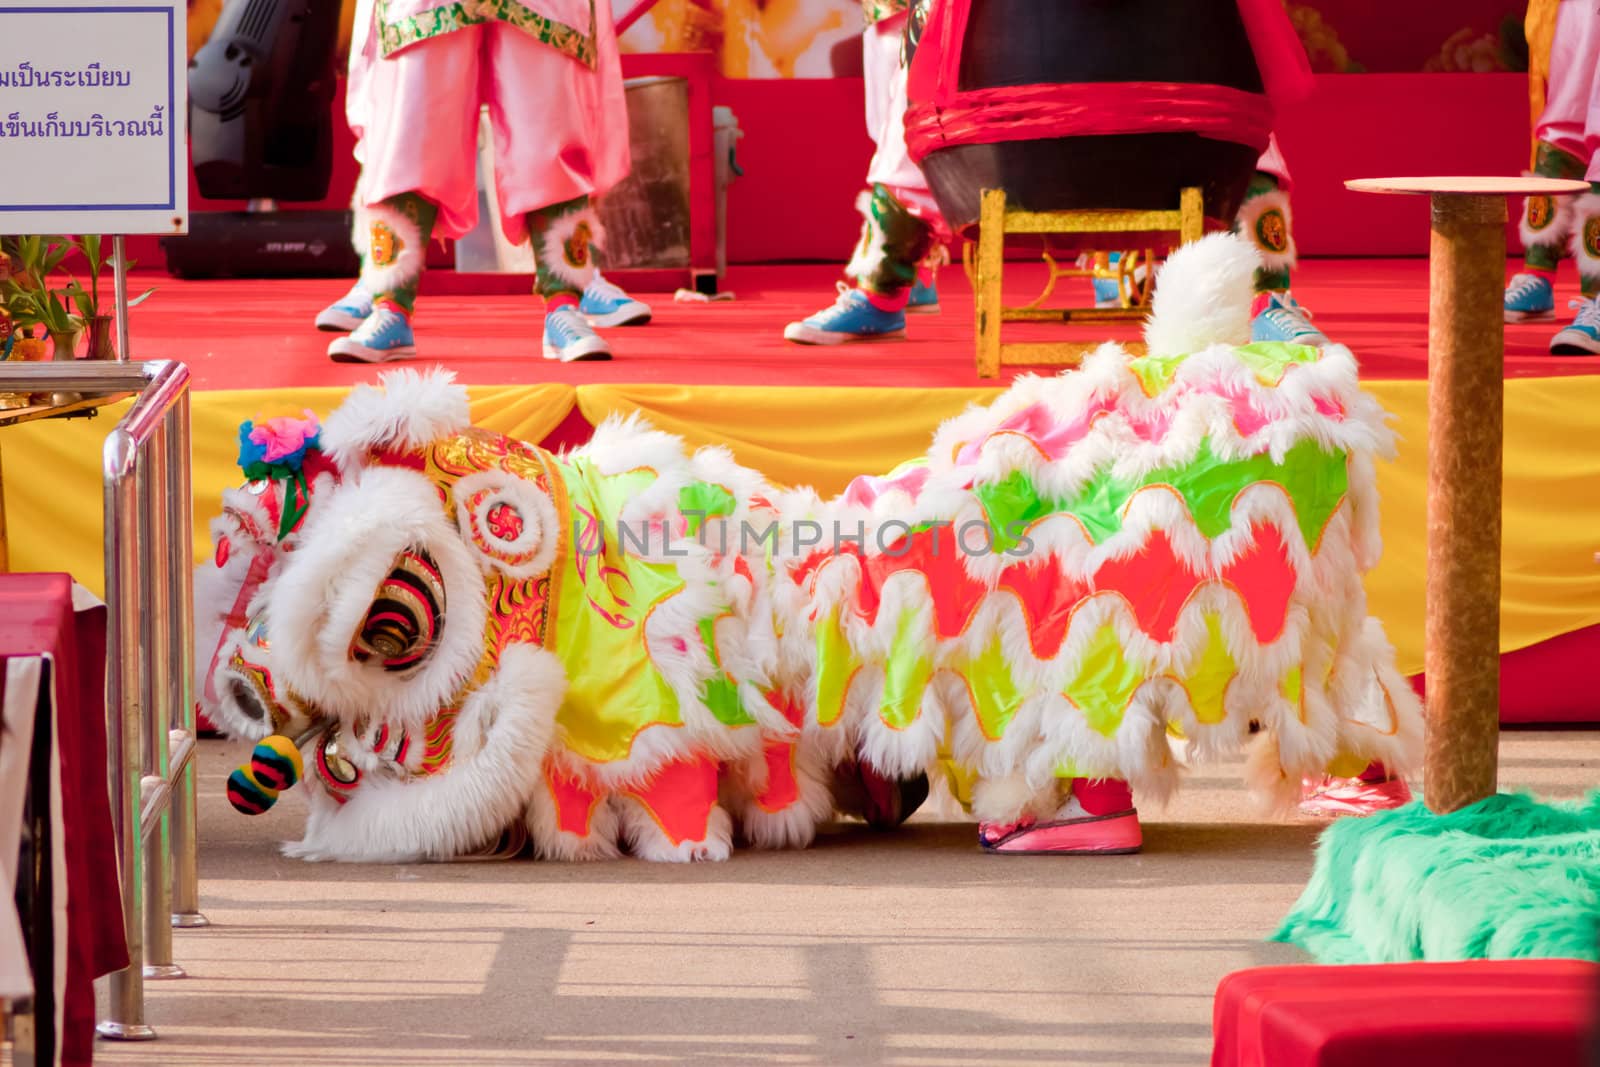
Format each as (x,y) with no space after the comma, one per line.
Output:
(1547,221)
(893,244)
(397,244)
(1264,220)
(1586,240)
(566,241)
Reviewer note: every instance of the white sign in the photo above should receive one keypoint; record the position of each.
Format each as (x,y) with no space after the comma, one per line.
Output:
(92,116)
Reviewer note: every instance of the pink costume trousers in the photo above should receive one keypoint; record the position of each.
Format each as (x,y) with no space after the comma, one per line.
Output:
(1272,162)
(885,77)
(1571,119)
(363,54)
(560,129)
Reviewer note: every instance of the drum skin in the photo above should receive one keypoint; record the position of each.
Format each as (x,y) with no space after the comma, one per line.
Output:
(1082,44)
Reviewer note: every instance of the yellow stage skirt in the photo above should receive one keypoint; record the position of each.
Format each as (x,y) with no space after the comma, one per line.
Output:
(825,436)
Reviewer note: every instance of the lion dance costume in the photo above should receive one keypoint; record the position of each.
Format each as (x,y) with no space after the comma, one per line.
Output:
(459,640)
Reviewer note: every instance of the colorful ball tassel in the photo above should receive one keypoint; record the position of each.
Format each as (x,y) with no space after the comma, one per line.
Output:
(247,795)
(275,763)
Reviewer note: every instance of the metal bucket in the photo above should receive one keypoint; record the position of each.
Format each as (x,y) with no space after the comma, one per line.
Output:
(646,216)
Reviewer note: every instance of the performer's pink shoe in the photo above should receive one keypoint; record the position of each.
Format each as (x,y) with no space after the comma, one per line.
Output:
(1098,820)
(1332,798)
(1090,835)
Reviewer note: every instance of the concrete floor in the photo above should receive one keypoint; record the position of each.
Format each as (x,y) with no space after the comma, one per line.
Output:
(911,948)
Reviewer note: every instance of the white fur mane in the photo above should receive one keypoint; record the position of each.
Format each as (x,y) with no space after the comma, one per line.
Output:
(408,410)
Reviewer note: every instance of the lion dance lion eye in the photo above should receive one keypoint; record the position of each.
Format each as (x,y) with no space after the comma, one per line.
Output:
(402,625)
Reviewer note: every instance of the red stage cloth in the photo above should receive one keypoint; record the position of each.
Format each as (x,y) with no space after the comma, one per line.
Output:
(37,619)
(1545,683)
(1491,1013)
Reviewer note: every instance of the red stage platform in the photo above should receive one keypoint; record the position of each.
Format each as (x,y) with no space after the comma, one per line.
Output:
(258,334)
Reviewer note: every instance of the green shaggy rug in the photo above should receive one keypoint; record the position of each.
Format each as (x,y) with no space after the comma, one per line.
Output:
(1507,878)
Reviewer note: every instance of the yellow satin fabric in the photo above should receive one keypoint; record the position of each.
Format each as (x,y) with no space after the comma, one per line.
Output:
(51,469)
(1540,29)
(605,597)
(825,436)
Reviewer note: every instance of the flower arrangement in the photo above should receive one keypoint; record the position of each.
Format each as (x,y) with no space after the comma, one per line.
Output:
(32,294)
(26,294)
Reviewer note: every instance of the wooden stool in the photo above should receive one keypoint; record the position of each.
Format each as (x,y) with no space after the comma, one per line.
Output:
(996,221)
(1466,371)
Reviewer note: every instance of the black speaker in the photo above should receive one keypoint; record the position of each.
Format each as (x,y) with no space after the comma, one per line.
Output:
(276,244)
(261,94)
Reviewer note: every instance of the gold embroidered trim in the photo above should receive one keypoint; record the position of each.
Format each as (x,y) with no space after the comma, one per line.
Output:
(447,18)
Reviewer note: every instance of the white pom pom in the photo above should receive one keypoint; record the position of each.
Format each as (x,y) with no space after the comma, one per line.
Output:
(1203,296)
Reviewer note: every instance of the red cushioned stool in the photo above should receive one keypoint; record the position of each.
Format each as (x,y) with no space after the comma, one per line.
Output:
(1486,1013)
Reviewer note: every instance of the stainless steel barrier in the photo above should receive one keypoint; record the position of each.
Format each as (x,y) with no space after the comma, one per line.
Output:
(150,712)
(149,672)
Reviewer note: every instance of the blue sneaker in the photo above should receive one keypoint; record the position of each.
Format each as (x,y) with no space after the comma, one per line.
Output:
(1530,298)
(1582,338)
(1281,318)
(385,335)
(924,295)
(1108,291)
(569,338)
(347,312)
(606,305)
(851,318)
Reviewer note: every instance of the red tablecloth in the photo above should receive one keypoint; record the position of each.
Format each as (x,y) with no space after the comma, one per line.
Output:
(1486,1013)
(37,620)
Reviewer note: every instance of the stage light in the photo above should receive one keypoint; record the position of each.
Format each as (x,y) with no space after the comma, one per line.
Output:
(261,101)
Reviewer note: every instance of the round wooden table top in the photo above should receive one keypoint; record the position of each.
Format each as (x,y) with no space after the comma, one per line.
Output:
(1469,186)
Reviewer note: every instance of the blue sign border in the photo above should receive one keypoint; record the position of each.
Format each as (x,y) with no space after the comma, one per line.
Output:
(173,126)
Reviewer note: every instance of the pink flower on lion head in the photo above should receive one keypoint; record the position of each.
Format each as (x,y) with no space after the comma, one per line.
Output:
(284,435)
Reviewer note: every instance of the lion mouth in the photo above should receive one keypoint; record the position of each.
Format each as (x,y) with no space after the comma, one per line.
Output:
(403,625)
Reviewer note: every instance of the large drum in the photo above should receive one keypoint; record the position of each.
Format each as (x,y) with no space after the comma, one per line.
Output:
(1082,104)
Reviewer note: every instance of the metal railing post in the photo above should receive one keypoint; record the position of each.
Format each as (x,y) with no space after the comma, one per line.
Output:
(126,1010)
(150,711)
(186,873)
(119,285)
(155,643)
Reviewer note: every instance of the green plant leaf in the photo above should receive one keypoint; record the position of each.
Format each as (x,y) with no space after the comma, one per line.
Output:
(59,320)
(53,256)
(83,299)
(142,297)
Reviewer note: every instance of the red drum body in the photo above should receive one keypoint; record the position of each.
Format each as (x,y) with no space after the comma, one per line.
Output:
(1084,104)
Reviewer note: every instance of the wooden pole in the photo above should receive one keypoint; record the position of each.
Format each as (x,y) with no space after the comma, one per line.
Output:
(1466,352)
